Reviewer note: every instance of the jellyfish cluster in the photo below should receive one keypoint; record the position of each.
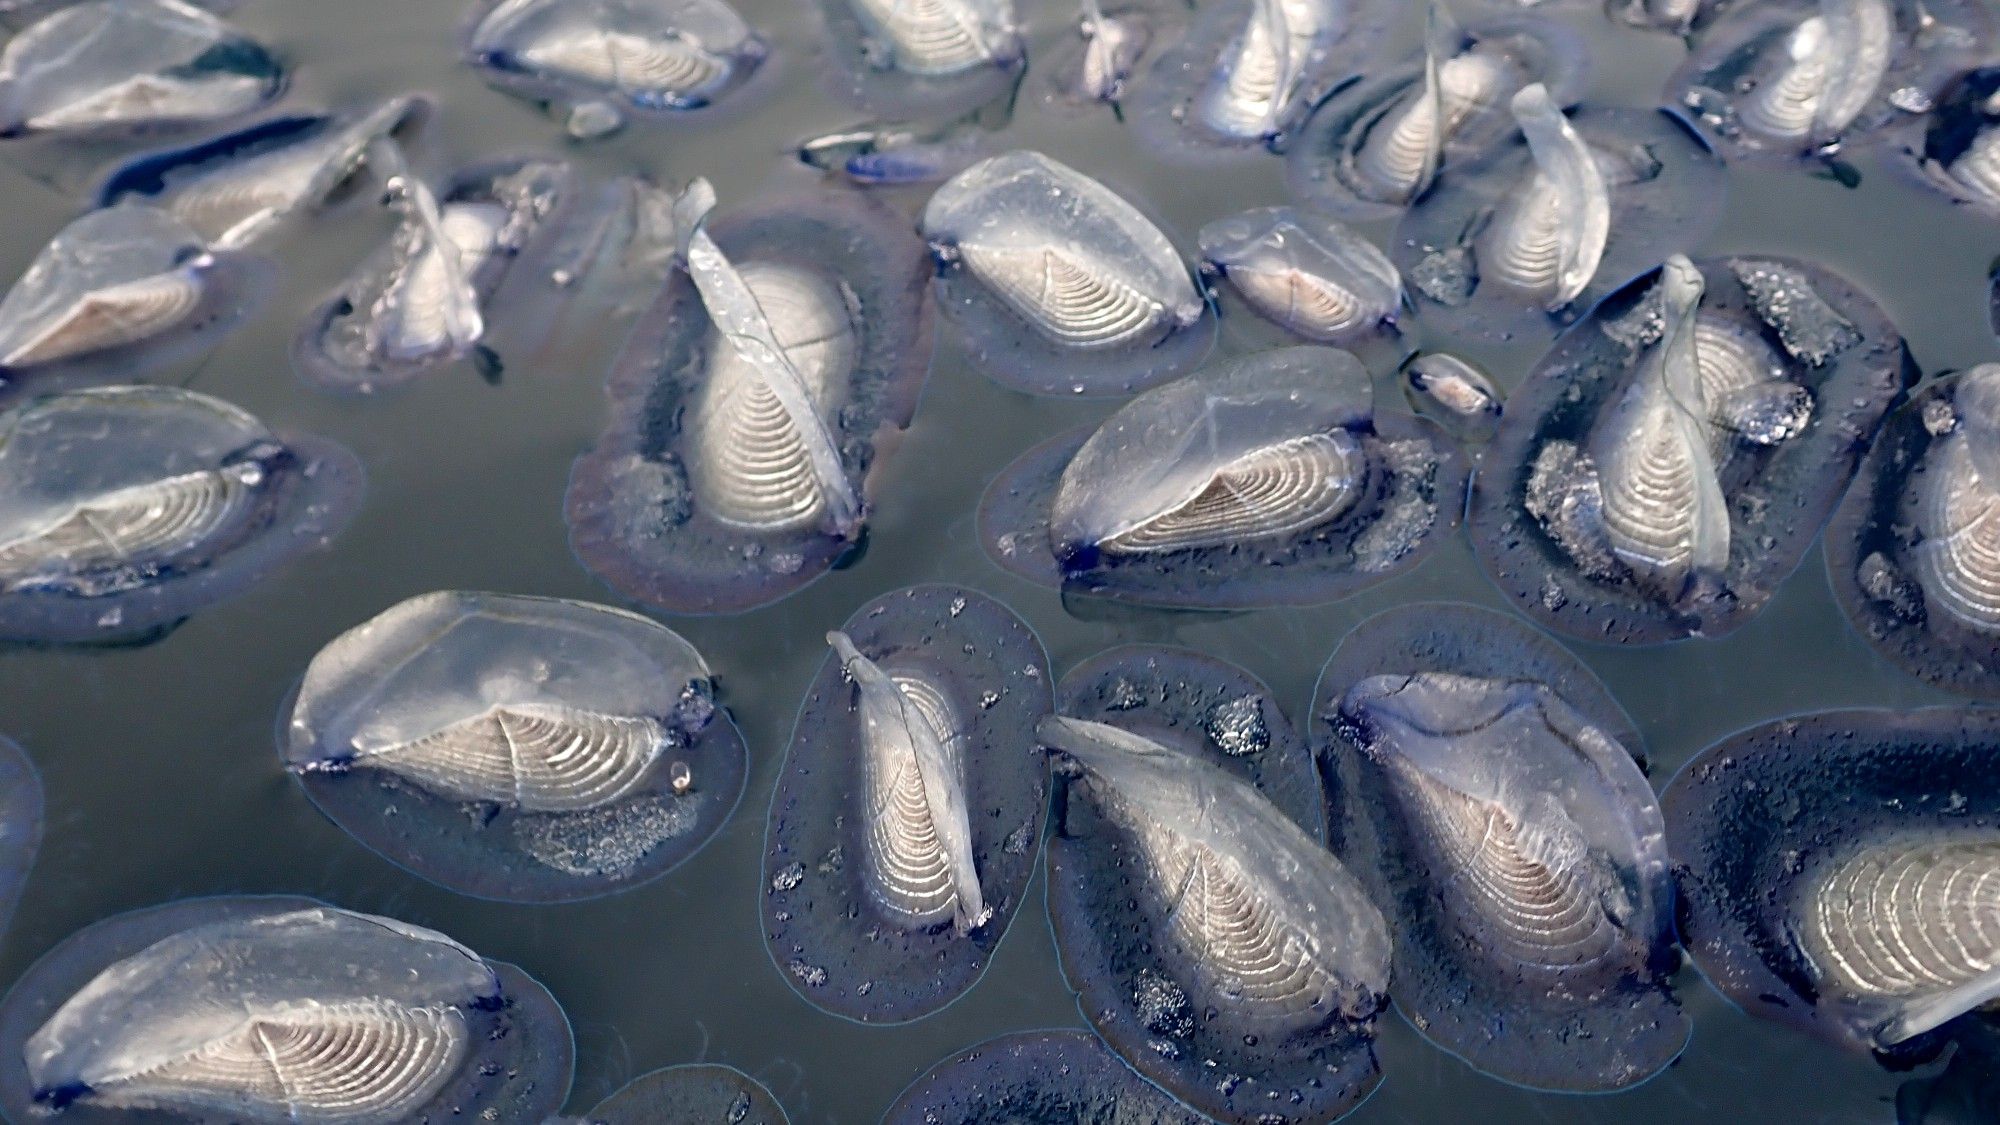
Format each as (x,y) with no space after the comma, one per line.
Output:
(1465,306)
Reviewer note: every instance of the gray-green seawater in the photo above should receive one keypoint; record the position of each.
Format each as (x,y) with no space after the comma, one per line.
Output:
(161,774)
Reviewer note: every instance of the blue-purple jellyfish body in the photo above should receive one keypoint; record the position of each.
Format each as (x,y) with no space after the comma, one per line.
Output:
(21,819)
(934,59)
(1966,1092)
(1212,939)
(1526,238)
(1315,277)
(1954,148)
(1265,480)
(697,1093)
(894,154)
(1059,286)
(908,816)
(734,472)
(1036,1078)
(278,1010)
(1836,870)
(532,749)
(1671,459)
(1483,785)
(124,509)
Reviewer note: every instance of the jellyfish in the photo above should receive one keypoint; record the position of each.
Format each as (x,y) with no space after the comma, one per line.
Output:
(1269,479)
(1453,393)
(1372,149)
(1837,872)
(1035,1076)
(895,154)
(1667,464)
(1681,17)
(268,1009)
(586,743)
(1954,149)
(1095,68)
(600,60)
(124,509)
(21,819)
(749,403)
(1059,286)
(908,815)
(1485,788)
(1311,275)
(695,1092)
(929,58)
(128,66)
(1527,237)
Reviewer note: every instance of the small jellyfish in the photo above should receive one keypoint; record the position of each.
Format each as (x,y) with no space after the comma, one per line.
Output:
(1836,873)
(750,401)
(124,509)
(894,154)
(926,58)
(1955,148)
(533,749)
(1667,464)
(1484,787)
(1312,275)
(278,1010)
(1059,286)
(127,66)
(1035,1076)
(1681,17)
(610,58)
(1269,479)
(1526,238)
(1095,67)
(21,817)
(1454,394)
(707,1093)
(1374,148)
(236,189)
(1197,910)
(909,811)
(1791,79)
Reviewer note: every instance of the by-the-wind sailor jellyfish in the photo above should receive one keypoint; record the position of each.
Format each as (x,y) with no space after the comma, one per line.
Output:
(532,749)
(1035,1077)
(1483,785)
(1197,911)
(1955,148)
(1313,276)
(751,403)
(1787,79)
(1374,148)
(124,509)
(1527,237)
(1094,67)
(1059,286)
(237,188)
(695,1092)
(21,817)
(927,58)
(1681,17)
(908,815)
(1837,872)
(1454,394)
(1271,479)
(111,66)
(119,290)
(1667,463)
(893,154)
(610,58)
(279,1011)
(1914,551)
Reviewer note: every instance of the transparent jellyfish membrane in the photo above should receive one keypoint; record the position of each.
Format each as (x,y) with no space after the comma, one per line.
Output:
(1270,479)
(694,1092)
(908,816)
(1035,1076)
(124,509)
(237,1009)
(1313,276)
(645,513)
(533,749)
(1485,786)
(928,58)
(1837,872)
(1797,369)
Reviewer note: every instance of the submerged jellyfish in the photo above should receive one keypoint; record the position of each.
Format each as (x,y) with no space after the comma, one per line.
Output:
(1264,480)
(1529,236)
(1035,1076)
(1454,394)
(909,813)
(1837,872)
(278,1010)
(1955,148)
(1807,78)
(235,189)
(1059,286)
(1373,149)
(922,57)
(1485,789)
(21,816)
(1095,67)
(598,60)
(1198,914)
(694,1093)
(1312,275)
(1667,464)
(749,403)
(105,66)
(892,154)
(533,749)
(123,509)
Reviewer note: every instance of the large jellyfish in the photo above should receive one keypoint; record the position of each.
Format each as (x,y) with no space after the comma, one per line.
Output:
(926,58)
